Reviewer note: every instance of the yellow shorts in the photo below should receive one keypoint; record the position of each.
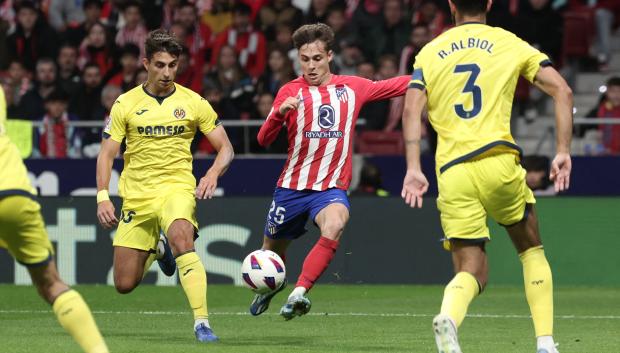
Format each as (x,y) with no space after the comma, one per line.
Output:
(22,231)
(469,190)
(142,219)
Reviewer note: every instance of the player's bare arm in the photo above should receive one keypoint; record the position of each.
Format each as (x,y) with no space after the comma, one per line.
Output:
(225,154)
(105,208)
(550,82)
(415,183)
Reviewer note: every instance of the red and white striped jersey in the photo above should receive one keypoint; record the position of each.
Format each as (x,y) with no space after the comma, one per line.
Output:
(320,131)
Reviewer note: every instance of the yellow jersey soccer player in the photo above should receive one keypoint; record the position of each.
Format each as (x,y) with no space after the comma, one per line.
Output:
(158,121)
(23,234)
(467,78)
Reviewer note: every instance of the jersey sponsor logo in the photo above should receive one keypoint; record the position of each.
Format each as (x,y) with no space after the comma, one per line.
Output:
(179,113)
(161,130)
(323,134)
(141,111)
(327,116)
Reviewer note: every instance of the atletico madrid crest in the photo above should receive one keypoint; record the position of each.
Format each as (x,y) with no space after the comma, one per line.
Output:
(341,94)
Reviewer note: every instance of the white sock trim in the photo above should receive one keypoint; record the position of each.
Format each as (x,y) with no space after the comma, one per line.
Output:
(545,342)
(201,321)
(297,292)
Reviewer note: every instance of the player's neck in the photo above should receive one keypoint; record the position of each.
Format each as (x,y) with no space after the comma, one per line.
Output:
(154,91)
(463,19)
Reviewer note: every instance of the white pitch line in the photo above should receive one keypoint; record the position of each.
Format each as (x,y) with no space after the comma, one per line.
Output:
(225,313)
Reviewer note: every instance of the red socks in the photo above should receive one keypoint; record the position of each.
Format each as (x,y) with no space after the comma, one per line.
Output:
(316,262)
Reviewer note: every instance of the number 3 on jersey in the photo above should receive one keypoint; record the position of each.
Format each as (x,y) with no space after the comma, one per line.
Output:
(470,87)
(279,214)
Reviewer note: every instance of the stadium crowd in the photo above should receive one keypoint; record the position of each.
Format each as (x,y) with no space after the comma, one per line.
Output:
(68,60)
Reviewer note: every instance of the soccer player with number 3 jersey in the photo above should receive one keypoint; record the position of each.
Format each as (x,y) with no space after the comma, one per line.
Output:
(320,110)
(467,77)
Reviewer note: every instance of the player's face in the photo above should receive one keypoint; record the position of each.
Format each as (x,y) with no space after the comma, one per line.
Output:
(613,95)
(315,59)
(162,70)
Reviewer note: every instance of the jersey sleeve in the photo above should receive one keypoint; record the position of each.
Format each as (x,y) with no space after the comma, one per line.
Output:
(417,77)
(384,89)
(115,127)
(207,117)
(532,59)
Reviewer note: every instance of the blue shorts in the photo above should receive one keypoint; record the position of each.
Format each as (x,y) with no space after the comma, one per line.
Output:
(290,210)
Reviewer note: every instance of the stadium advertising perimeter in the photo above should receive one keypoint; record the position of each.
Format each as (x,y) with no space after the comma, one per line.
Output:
(385,243)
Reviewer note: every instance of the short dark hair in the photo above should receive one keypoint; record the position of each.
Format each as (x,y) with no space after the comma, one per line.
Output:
(307,34)
(130,49)
(57,95)
(470,7)
(613,81)
(90,64)
(88,3)
(241,9)
(161,40)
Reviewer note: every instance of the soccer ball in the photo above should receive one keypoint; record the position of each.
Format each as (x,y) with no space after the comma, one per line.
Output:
(263,271)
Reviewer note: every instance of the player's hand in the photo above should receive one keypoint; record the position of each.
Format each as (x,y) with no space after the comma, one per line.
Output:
(414,187)
(289,104)
(105,214)
(560,171)
(207,185)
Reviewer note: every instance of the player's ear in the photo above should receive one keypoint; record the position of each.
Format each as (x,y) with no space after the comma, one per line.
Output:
(330,55)
(145,63)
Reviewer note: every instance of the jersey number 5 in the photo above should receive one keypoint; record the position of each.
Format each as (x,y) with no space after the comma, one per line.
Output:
(470,87)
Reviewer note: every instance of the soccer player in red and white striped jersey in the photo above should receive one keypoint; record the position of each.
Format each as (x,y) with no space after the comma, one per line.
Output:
(320,110)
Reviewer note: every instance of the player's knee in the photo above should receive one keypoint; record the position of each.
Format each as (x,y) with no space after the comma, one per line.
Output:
(333,228)
(125,285)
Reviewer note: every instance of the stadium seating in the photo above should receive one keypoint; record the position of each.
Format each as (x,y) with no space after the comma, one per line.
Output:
(380,142)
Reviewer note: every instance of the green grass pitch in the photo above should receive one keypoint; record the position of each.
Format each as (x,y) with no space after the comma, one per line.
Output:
(344,318)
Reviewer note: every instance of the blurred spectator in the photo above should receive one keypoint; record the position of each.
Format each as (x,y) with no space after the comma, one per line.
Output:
(284,41)
(276,12)
(91,139)
(197,36)
(420,36)
(366,17)
(346,63)
(431,15)
(212,92)
(607,14)
(11,105)
(218,16)
(141,76)
(235,85)
(63,14)
(540,25)
(88,98)
(374,113)
(279,71)
(264,103)
(247,42)
(188,75)
(129,60)
(342,30)
(537,174)
(97,48)
(370,182)
(366,70)
(391,36)
(133,30)
(68,72)
(31,105)
(610,108)
(92,14)
(18,81)
(32,39)
(318,10)
(159,14)
(56,138)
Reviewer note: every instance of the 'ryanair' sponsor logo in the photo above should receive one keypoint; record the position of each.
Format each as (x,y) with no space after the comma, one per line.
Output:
(323,134)
(161,130)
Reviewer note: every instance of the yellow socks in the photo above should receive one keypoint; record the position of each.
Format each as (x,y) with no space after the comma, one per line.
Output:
(75,317)
(458,294)
(538,289)
(194,281)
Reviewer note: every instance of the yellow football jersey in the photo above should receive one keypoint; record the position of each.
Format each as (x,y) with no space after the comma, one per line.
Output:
(158,132)
(13,175)
(470,73)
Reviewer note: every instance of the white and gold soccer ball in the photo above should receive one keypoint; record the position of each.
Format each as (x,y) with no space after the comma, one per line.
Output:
(263,271)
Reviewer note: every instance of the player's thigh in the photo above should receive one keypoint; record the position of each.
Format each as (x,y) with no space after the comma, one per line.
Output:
(138,227)
(179,205)
(22,231)
(288,214)
(505,193)
(330,212)
(461,212)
